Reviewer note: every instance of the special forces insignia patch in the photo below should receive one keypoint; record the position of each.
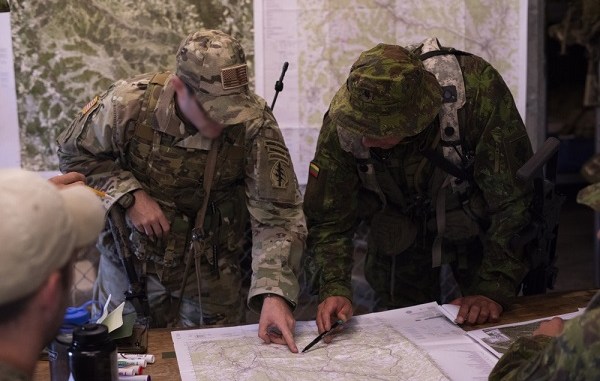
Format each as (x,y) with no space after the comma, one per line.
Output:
(280,170)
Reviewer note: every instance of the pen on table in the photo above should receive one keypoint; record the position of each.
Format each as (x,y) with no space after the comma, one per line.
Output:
(321,336)
(138,356)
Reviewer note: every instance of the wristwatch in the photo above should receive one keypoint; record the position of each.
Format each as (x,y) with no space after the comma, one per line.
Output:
(127,200)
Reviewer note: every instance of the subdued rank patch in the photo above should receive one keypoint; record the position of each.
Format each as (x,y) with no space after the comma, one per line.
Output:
(280,171)
(89,105)
(313,170)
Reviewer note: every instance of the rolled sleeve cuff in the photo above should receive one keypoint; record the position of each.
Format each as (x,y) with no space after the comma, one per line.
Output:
(285,286)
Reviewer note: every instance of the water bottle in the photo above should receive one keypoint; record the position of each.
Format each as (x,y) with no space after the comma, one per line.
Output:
(93,354)
(58,350)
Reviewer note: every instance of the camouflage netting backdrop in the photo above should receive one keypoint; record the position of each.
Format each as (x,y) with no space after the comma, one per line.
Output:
(67,51)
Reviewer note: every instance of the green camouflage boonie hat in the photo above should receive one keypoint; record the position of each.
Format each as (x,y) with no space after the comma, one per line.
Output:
(213,64)
(388,93)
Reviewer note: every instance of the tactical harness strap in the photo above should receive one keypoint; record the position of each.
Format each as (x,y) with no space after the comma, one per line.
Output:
(449,75)
(446,71)
(197,243)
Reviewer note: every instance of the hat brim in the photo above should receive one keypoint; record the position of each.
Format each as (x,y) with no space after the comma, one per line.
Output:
(232,108)
(590,196)
(403,121)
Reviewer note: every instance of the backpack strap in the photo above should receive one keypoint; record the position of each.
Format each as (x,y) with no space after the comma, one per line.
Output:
(442,63)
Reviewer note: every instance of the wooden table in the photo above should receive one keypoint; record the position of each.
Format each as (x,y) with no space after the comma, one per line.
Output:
(160,343)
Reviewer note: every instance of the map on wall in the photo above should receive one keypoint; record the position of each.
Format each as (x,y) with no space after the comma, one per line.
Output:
(9,132)
(321,40)
(68,51)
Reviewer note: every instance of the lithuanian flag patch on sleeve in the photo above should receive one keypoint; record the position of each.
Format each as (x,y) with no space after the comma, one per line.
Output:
(313,170)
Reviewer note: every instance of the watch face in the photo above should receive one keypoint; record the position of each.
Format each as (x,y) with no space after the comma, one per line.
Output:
(126,201)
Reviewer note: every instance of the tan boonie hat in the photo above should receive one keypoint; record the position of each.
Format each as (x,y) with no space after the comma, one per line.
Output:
(388,93)
(42,225)
(213,64)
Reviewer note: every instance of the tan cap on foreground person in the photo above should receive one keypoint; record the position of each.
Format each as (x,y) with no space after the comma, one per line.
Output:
(41,227)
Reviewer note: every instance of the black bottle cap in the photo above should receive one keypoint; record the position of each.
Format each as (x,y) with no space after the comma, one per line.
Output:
(90,335)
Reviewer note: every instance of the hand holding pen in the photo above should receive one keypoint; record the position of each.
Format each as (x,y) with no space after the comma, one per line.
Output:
(322,335)
(331,309)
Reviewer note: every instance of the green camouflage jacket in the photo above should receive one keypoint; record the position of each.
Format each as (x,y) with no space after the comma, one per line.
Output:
(493,132)
(574,355)
(121,147)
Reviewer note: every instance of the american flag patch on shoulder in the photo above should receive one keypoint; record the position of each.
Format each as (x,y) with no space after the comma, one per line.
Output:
(313,169)
(89,105)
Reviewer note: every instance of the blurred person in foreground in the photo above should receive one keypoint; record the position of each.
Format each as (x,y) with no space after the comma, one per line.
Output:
(43,226)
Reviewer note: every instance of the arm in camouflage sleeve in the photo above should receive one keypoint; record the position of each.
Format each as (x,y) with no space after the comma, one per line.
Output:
(502,148)
(94,142)
(330,204)
(571,356)
(275,206)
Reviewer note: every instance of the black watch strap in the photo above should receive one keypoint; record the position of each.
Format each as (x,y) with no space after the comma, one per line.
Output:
(127,200)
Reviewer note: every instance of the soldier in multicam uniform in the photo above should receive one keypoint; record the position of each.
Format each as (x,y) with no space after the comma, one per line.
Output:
(147,143)
(382,159)
(559,350)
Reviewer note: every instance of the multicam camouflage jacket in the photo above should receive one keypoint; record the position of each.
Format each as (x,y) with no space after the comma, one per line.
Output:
(123,142)
(573,355)
(493,135)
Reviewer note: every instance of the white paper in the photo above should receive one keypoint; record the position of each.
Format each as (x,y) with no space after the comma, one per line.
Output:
(497,339)
(459,357)
(450,311)
(104,310)
(373,346)
(114,319)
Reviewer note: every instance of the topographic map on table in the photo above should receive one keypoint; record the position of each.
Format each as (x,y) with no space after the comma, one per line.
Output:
(368,349)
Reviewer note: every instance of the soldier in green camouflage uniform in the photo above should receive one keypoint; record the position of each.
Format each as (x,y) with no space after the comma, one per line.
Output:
(372,165)
(574,352)
(150,137)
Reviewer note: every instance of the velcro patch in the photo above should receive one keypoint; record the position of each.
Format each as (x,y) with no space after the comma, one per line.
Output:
(313,170)
(89,105)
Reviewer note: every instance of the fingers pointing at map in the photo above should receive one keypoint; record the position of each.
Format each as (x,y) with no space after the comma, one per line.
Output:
(277,323)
